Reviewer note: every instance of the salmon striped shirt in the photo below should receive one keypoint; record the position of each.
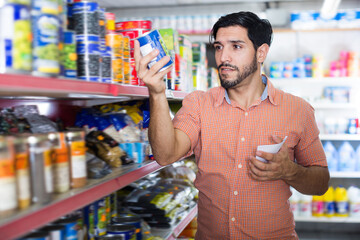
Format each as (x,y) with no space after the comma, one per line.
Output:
(223,136)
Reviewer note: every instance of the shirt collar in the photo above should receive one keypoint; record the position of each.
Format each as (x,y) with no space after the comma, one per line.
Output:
(269,92)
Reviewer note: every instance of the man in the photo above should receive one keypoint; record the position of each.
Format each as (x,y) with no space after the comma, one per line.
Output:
(240,197)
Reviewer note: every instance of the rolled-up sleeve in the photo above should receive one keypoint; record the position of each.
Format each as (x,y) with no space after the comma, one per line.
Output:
(187,119)
(309,151)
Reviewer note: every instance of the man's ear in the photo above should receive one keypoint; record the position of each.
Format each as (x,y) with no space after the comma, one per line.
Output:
(262,52)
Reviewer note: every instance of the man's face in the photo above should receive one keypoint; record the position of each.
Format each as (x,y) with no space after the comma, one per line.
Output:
(235,56)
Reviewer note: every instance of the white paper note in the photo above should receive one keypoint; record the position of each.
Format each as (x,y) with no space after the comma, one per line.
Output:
(272,148)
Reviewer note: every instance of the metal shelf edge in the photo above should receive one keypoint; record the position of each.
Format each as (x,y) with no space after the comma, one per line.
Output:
(22,225)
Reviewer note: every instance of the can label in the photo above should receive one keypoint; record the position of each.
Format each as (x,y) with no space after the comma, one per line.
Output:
(106,65)
(142,24)
(150,42)
(69,55)
(46,44)
(15,38)
(78,159)
(86,20)
(46,6)
(88,61)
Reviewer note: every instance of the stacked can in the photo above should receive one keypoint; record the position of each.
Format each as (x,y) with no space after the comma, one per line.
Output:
(15,38)
(86,26)
(105,57)
(115,42)
(46,28)
(132,30)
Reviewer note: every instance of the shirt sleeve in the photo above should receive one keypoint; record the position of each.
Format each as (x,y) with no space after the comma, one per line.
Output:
(187,119)
(309,151)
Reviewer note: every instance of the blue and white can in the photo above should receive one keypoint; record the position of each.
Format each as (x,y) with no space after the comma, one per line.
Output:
(151,41)
(46,44)
(15,38)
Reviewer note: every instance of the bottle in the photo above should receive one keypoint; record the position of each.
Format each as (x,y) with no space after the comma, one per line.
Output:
(347,159)
(295,202)
(332,156)
(305,205)
(341,202)
(317,206)
(357,156)
(329,203)
(354,200)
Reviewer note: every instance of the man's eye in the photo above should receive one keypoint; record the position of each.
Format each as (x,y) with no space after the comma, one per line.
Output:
(237,46)
(218,47)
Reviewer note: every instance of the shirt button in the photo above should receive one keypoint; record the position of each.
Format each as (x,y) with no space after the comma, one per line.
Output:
(233,219)
(246,114)
(235,193)
(242,139)
(240,165)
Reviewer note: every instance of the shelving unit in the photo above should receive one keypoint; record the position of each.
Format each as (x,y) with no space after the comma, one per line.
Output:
(174,232)
(328,220)
(340,137)
(20,88)
(345,174)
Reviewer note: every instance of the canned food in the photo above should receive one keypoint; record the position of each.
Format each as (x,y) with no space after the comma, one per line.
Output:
(55,231)
(8,200)
(100,217)
(61,168)
(106,65)
(40,167)
(134,80)
(22,2)
(71,226)
(127,71)
(76,144)
(110,22)
(111,237)
(140,24)
(150,42)
(126,231)
(46,44)
(130,220)
(22,168)
(70,17)
(15,38)
(89,221)
(88,60)
(86,20)
(69,55)
(102,22)
(46,6)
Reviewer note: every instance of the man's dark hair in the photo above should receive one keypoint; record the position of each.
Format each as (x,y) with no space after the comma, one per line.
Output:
(259,30)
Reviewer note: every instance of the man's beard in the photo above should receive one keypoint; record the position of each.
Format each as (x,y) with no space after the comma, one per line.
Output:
(247,71)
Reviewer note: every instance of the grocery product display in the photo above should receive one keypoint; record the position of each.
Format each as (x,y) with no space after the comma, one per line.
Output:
(81,40)
(139,211)
(91,171)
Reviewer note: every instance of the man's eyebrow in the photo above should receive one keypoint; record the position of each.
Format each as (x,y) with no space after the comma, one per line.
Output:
(230,41)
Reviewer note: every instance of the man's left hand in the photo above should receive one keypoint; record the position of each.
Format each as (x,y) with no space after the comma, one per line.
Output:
(279,165)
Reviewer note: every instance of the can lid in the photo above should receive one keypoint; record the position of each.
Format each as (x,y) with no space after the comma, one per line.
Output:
(112,237)
(126,219)
(115,227)
(69,37)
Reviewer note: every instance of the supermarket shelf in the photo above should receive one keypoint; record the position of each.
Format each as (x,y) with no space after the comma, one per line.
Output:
(345,174)
(174,232)
(16,85)
(328,220)
(332,105)
(340,137)
(334,81)
(21,222)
